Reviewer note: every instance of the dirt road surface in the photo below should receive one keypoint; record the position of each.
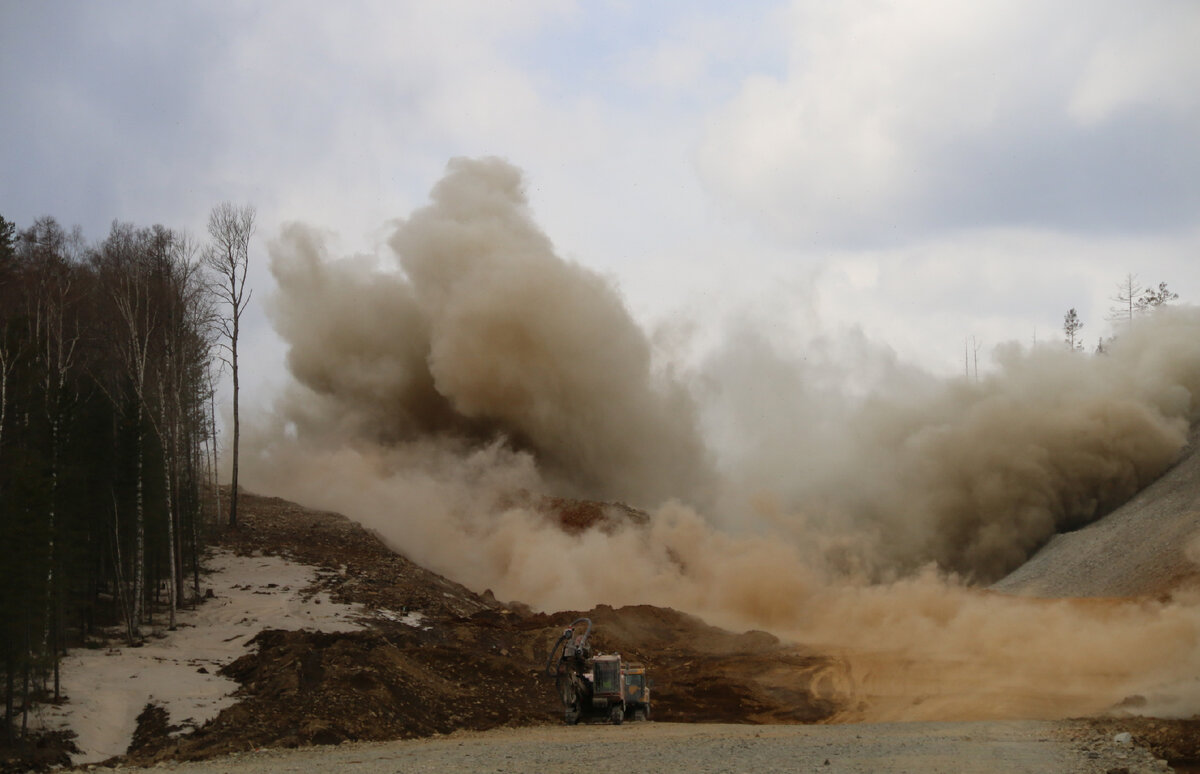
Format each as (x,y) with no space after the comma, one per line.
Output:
(962,748)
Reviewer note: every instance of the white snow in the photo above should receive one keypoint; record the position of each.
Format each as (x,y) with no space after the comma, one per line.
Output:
(106,689)
(411,618)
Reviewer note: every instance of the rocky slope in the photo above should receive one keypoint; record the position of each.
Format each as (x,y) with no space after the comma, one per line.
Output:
(1147,547)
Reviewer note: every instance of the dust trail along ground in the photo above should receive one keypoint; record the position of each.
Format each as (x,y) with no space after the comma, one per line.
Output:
(432,658)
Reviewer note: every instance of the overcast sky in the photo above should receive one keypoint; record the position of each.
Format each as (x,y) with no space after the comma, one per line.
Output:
(915,170)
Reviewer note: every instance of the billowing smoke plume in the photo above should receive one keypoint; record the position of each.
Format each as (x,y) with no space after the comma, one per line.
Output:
(971,476)
(847,514)
(489,334)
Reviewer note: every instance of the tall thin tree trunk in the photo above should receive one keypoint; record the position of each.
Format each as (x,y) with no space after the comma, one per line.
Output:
(178,531)
(25,678)
(177,489)
(51,527)
(216,481)
(10,686)
(237,430)
(139,546)
(122,587)
(164,434)
(195,510)
(3,386)
(9,665)
(57,648)
(231,228)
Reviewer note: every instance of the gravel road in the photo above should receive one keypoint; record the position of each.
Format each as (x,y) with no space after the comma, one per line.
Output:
(963,748)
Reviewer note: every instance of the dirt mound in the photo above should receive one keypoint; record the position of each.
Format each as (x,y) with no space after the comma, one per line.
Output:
(301,688)
(577,516)
(1175,741)
(1140,549)
(436,657)
(353,563)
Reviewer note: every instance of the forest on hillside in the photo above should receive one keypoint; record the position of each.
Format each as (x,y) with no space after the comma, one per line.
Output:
(109,354)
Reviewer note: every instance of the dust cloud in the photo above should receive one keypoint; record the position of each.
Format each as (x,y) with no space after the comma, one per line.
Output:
(488,334)
(785,492)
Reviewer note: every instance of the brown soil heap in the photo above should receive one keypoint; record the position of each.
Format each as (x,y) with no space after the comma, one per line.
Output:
(472,663)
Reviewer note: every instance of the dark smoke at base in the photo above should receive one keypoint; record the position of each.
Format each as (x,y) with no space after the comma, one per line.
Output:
(487,365)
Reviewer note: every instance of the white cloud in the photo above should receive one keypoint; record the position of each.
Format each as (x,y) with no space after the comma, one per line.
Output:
(923,170)
(898,117)
(1001,285)
(1146,58)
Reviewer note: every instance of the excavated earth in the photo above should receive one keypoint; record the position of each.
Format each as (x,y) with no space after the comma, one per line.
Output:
(473,663)
(476,663)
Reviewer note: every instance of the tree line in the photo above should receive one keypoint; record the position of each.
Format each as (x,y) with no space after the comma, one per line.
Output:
(1130,301)
(109,356)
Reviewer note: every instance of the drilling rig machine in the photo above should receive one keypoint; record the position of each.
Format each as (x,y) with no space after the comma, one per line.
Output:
(597,685)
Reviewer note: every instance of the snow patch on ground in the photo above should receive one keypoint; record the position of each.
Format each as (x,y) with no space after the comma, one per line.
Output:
(106,689)
(413,619)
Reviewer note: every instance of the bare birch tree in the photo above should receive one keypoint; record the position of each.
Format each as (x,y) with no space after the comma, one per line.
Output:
(7,355)
(137,320)
(1125,301)
(57,337)
(7,363)
(181,297)
(228,256)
